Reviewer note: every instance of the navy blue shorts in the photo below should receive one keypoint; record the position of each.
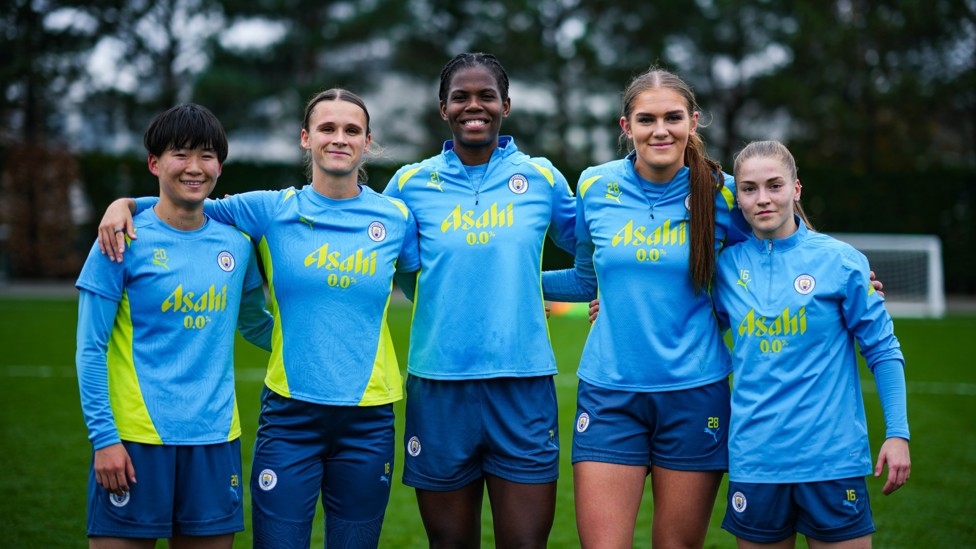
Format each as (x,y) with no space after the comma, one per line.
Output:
(829,511)
(186,490)
(303,449)
(458,431)
(684,430)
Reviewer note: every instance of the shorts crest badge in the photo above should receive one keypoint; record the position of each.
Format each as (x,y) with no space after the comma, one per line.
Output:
(413,446)
(119,501)
(267,480)
(582,422)
(739,502)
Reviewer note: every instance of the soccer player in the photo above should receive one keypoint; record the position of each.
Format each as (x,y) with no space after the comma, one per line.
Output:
(155,354)
(797,302)
(481,405)
(653,394)
(330,250)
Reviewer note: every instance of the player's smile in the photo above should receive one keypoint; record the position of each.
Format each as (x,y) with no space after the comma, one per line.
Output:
(474,108)
(659,127)
(186,176)
(336,137)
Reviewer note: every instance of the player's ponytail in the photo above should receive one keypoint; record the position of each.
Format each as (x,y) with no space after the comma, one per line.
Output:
(706,180)
(706,177)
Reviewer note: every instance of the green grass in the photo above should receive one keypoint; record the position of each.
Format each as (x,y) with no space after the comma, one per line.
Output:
(45,454)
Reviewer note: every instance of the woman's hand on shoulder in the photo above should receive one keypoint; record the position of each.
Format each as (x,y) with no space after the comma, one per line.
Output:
(115,225)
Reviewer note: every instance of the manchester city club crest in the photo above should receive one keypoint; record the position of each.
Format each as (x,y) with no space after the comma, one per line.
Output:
(413,446)
(267,480)
(377,231)
(518,184)
(688,202)
(804,284)
(739,502)
(226,261)
(119,501)
(582,422)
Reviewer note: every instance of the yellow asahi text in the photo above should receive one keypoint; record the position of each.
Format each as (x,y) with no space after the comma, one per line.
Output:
(355,263)
(469,219)
(186,302)
(782,324)
(661,236)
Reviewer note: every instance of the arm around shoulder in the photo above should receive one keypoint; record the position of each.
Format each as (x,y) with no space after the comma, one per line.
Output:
(115,225)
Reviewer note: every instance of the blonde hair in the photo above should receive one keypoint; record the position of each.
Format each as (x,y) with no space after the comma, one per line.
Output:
(776,151)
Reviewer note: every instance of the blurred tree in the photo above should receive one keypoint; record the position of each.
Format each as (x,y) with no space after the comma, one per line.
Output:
(569,59)
(152,52)
(44,49)
(879,84)
(261,88)
(839,81)
(36,207)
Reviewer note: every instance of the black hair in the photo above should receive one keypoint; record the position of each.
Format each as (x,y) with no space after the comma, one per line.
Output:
(464,60)
(186,126)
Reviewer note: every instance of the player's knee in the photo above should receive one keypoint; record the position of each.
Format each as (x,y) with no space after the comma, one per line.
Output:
(274,533)
(353,534)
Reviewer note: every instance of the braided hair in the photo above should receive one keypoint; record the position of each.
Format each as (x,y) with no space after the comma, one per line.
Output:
(465,60)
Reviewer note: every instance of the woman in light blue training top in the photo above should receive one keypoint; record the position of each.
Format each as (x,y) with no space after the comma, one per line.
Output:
(329,250)
(653,394)
(156,355)
(481,404)
(797,302)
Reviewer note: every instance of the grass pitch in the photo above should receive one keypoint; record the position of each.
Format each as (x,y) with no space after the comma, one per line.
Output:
(45,452)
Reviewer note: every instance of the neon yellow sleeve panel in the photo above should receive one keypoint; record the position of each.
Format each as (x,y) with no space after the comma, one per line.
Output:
(729,198)
(406,176)
(128,405)
(546,172)
(401,206)
(276,378)
(385,384)
(586,184)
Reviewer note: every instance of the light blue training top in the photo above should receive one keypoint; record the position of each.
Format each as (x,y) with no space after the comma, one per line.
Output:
(798,308)
(156,334)
(478,307)
(654,332)
(329,265)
